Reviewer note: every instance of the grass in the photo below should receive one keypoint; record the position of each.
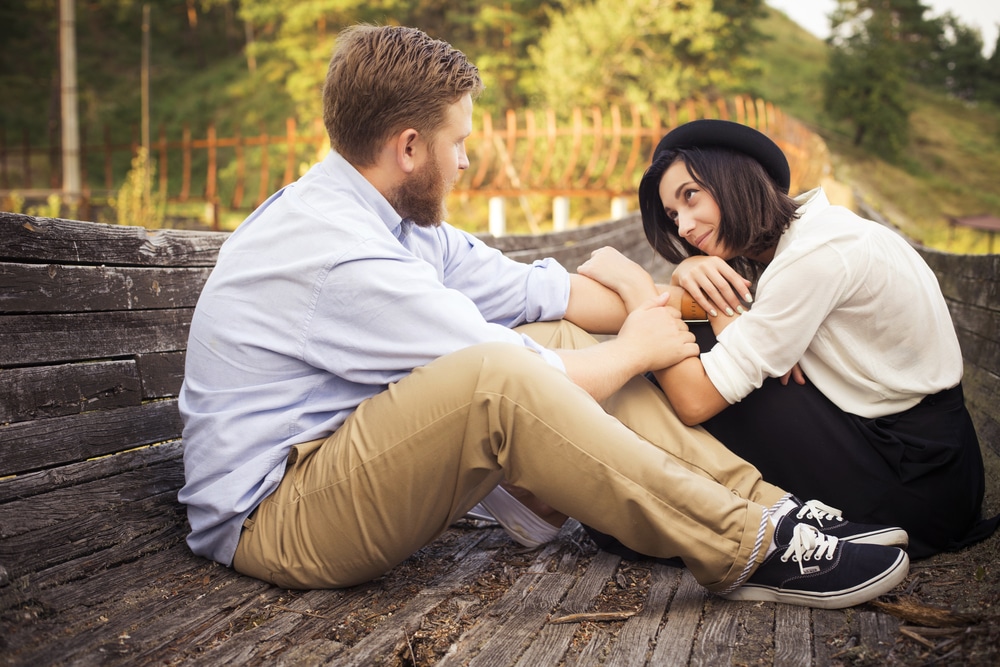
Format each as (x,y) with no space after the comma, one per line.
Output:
(950,167)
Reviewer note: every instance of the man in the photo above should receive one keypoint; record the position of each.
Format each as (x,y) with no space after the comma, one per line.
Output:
(360,375)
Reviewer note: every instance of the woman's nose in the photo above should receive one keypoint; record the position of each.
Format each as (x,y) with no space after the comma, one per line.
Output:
(685,224)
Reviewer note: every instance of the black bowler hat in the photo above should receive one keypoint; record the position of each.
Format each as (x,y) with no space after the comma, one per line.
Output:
(711,133)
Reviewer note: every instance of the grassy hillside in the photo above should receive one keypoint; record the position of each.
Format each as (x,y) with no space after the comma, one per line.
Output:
(951,167)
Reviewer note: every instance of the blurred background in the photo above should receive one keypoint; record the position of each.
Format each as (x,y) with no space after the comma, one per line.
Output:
(190,112)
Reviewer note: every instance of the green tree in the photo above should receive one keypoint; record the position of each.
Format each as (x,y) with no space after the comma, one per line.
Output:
(642,52)
(299,37)
(962,69)
(991,75)
(877,46)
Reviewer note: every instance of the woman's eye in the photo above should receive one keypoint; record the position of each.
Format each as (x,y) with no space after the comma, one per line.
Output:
(688,194)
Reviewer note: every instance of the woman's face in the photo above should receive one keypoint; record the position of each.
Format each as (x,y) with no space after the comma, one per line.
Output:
(693,210)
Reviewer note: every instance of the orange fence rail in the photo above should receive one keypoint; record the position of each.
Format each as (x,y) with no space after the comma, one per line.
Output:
(595,152)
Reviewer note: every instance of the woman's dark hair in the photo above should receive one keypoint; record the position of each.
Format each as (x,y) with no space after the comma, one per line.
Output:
(755,211)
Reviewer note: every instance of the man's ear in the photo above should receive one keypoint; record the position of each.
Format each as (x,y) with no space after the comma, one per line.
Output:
(409,144)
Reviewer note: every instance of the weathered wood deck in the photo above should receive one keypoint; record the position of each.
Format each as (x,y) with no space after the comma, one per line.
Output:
(94,569)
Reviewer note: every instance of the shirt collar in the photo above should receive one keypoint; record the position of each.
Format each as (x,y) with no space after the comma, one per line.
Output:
(810,203)
(340,169)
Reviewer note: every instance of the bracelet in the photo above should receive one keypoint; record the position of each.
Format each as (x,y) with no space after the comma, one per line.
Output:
(690,310)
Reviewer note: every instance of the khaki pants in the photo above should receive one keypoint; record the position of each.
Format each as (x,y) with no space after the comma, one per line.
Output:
(413,459)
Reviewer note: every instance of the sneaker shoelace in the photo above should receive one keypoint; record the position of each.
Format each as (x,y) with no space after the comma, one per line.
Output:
(814,509)
(808,544)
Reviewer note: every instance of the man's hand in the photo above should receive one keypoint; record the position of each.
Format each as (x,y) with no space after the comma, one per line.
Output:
(657,332)
(615,271)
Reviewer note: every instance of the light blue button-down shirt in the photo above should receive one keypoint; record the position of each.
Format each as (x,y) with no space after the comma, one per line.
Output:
(318,301)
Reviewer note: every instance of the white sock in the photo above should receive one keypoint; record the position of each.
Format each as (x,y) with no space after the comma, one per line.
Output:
(524,526)
(781,510)
(784,508)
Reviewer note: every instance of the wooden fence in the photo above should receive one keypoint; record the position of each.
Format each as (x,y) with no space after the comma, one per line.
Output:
(588,153)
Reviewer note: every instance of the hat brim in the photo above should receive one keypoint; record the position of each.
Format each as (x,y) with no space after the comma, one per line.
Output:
(711,133)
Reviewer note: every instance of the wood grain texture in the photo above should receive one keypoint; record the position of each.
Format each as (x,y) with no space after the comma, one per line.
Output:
(93,564)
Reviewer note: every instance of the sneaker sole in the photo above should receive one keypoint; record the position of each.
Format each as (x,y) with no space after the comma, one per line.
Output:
(874,587)
(887,537)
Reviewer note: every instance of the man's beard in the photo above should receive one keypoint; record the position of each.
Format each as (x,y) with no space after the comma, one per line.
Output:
(421,196)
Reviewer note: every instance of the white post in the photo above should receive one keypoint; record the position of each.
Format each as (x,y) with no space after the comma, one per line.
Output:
(560,214)
(498,216)
(619,208)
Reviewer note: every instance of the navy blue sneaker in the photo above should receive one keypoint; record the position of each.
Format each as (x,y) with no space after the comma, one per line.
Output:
(811,569)
(829,521)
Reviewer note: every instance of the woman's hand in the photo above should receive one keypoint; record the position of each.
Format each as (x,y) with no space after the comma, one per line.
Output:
(713,284)
(795,374)
(619,273)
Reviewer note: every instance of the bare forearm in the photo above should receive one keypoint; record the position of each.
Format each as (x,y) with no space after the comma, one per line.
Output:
(593,307)
(601,370)
(690,391)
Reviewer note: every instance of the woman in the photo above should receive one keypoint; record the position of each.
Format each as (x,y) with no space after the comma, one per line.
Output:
(875,421)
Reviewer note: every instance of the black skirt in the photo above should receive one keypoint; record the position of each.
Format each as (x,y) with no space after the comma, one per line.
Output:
(921,469)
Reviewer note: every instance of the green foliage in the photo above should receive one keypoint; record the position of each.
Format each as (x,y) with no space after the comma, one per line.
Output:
(864,87)
(991,74)
(494,36)
(873,40)
(134,203)
(246,65)
(792,65)
(960,66)
(642,52)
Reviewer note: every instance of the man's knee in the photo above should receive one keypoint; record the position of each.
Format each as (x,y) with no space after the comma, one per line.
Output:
(557,334)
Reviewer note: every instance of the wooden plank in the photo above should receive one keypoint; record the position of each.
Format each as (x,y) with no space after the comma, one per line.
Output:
(42,339)
(41,392)
(51,240)
(505,630)
(31,484)
(638,634)
(675,642)
(162,374)
(181,632)
(981,387)
(792,636)
(272,629)
(89,534)
(308,617)
(831,635)
(516,242)
(103,634)
(717,635)
(877,632)
(79,586)
(754,631)
(54,288)
(602,567)
(396,628)
(554,640)
(101,497)
(33,445)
